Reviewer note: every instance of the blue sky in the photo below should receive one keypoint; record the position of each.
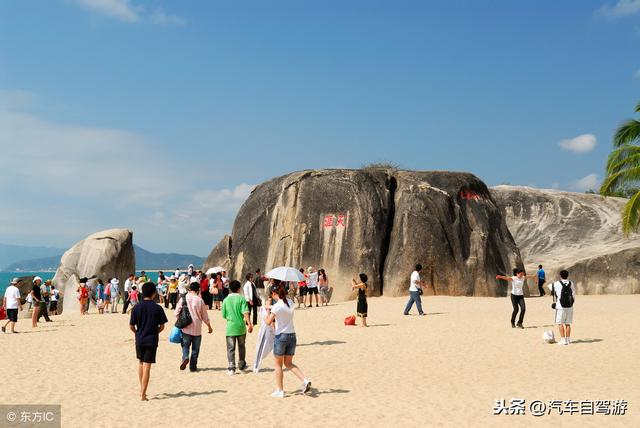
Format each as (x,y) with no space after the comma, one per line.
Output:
(161,115)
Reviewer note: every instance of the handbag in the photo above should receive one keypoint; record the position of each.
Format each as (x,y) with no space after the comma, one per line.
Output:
(184,319)
(350,320)
(176,335)
(420,291)
(553,293)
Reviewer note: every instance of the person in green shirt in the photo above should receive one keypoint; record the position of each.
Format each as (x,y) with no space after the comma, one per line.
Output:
(236,311)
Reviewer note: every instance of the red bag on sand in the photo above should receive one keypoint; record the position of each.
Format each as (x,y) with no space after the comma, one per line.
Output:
(3,314)
(350,320)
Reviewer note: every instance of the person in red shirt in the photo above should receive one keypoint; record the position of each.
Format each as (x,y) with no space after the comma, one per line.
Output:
(204,290)
(302,289)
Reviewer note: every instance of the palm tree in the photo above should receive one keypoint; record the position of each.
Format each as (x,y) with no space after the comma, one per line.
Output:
(623,172)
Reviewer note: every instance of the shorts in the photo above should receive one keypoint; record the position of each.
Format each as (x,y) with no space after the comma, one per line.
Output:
(53,306)
(564,315)
(312,290)
(285,344)
(303,291)
(146,353)
(12,315)
(324,291)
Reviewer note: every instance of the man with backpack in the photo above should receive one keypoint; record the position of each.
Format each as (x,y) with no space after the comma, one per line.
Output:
(564,295)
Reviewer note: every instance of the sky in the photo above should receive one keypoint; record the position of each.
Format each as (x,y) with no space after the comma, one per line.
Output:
(161,116)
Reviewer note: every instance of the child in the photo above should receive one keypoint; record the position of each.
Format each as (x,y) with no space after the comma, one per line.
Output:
(236,311)
(147,321)
(133,297)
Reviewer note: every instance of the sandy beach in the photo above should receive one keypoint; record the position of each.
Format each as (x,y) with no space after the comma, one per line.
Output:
(445,369)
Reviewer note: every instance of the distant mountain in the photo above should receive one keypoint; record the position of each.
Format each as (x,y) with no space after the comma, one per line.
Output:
(168,261)
(144,260)
(10,254)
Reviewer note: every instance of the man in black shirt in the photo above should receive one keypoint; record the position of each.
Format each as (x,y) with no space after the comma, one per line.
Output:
(147,321)
(45,291)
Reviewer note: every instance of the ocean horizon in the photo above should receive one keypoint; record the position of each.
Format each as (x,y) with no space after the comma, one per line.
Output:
(6,277)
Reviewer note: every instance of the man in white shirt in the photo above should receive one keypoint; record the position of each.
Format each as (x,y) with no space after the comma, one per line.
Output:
(415,291)
(250,295)
(312,285)
(128,285)
(564,294)
(11,302)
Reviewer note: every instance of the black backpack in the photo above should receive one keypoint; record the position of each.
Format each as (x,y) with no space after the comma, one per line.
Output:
(566,295)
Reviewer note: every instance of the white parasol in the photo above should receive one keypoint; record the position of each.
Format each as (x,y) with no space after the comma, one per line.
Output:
(285,273)
(214,270)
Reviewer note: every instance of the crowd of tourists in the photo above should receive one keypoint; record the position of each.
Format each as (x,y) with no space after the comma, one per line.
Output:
(191,294)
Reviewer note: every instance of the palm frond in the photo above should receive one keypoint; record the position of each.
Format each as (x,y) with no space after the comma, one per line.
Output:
(622,156)
(638,107)
(627,133)
(631,215)
(620,180)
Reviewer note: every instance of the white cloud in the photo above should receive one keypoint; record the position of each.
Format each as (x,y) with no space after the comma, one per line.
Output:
(620,8)
(161,18)
(637,74)
(225,199)
(581,144)
(590,182)
(555,185)
(65,181)
(127,11)
(122,10)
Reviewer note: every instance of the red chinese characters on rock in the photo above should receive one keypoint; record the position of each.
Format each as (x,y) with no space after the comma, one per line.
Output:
(469,195)
(335,220)
(328,220)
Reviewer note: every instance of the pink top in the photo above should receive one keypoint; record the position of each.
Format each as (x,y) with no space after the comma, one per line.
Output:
(198,311)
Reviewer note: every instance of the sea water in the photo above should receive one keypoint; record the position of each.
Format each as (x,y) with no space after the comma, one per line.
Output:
(6,277)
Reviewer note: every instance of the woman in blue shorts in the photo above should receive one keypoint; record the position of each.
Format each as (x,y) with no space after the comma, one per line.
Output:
(284,346)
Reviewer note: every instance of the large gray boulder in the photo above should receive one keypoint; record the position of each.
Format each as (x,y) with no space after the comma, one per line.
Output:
(578,232)
(376,221)
(450,224)
(107,254)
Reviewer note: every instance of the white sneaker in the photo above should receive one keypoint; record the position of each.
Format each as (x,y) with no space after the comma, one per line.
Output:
(306,386)
(231,372)
(277,394)
(562,341)
(567,340)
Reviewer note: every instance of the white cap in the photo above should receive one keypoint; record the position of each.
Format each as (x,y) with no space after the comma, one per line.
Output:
(37,278)
(15,281)
(115,281)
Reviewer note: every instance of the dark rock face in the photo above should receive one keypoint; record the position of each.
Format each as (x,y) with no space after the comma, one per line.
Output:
(449,223)
(331,219)
(106,255)
(379,222)
(574,231)
(25,285)
(220,255)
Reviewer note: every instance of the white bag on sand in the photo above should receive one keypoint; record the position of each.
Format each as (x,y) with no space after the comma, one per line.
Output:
(548,336)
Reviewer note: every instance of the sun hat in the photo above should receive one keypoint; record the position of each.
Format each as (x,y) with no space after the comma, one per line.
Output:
(48,282)
(15,281)
(115,281)
(36,279)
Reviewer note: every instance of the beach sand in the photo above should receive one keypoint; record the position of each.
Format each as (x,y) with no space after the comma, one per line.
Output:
(445,369)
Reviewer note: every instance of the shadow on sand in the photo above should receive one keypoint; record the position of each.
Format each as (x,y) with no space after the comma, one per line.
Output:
(166,396)
(315,393)
(324,343)
(541,326)
(378,325)
(586,341)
